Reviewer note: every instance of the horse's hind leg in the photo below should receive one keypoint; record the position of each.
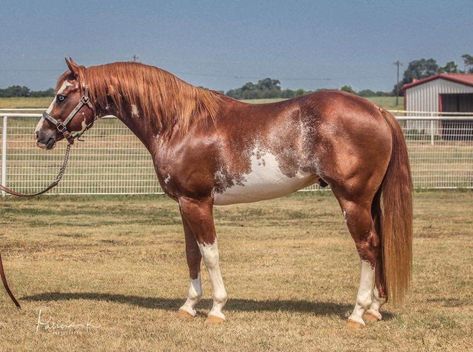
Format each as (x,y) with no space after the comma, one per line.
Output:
(379,291)
(361,226)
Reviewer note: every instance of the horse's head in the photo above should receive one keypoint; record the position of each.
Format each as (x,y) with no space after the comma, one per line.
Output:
(70,113)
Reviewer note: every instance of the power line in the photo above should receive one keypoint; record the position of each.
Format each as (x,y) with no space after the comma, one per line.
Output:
(398,65)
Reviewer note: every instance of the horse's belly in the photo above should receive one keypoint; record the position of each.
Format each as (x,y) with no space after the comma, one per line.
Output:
(264,181)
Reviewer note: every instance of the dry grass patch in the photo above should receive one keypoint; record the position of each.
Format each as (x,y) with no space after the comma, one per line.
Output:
(111,272)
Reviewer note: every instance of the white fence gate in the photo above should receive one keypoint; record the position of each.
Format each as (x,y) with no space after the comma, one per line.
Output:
(113,161)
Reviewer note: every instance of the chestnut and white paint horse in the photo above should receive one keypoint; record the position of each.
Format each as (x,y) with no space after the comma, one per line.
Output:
(211,150)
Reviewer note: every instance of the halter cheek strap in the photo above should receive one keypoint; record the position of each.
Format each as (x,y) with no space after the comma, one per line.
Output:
(61,126)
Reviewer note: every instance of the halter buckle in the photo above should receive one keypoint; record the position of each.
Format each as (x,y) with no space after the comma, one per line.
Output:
(61,127)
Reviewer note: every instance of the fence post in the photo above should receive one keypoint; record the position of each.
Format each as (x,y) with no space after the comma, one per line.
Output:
(4,153)
(432,132)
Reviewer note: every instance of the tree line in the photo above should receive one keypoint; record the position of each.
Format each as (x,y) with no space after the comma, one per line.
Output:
(416,69)
(264,89)
(423,68)
(22,91)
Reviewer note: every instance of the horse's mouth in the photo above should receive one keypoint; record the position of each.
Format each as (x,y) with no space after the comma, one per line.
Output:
(50,144)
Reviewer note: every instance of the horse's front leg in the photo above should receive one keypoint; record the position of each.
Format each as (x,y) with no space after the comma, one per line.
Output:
(197,215)
(194,258)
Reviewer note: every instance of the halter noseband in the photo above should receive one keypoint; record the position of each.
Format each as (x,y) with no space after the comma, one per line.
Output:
(61,126)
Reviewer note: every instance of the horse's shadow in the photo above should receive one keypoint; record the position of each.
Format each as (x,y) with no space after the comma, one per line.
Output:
(234,304)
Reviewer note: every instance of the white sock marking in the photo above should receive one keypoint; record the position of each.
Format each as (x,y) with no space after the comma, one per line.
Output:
(193,296)
(365,292)
(211,257)
(377,302)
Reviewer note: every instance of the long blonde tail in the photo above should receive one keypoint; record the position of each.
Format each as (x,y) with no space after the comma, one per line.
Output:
(396,218)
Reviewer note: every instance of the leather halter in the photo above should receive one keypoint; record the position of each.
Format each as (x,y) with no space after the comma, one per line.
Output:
(61,126)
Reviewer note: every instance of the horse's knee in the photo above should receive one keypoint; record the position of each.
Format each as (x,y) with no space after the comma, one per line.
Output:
(368,251)
(361,226)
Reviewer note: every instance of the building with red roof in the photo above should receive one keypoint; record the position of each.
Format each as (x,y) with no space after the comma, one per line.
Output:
(445,94)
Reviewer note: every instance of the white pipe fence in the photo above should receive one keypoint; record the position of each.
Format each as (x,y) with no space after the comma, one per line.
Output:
(113,161)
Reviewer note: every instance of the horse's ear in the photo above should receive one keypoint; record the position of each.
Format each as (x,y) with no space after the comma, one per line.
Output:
(73,67)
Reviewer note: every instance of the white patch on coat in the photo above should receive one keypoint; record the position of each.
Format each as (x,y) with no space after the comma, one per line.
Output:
(365,292)
(264,181)
(84,126)
(61,90)
(167,179)
(211,259)
(134,111)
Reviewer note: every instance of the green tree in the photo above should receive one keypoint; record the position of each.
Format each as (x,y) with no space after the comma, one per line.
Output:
(22,91)
(347,88)
(300,92)
(264,89)
(450,67)
(417,69)
(15,91)
(468,61)
(366,93)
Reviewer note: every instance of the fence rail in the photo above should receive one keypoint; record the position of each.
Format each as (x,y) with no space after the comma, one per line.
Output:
(113,160)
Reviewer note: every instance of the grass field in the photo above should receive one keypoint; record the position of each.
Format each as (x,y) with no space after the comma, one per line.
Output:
(109,273)
(11,103)
(8,103)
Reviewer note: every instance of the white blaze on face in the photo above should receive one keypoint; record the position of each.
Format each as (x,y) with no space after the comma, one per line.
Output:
(264,181)
(61,90)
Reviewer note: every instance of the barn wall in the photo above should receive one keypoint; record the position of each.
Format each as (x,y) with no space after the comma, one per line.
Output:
(425,97)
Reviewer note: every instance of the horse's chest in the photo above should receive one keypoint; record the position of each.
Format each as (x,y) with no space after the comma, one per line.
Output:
(265,180)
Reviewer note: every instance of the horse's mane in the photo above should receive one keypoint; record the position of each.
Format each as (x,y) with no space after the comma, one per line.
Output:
(151,93)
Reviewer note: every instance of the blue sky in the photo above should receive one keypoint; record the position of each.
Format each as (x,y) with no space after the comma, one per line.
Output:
(223,44)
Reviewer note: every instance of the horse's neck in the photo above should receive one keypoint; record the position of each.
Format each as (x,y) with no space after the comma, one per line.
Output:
(138,125)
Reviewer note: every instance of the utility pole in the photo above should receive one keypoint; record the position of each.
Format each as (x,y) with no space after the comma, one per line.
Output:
(398,64)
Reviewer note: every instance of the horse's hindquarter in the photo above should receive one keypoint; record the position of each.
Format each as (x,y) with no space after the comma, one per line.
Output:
(262,154)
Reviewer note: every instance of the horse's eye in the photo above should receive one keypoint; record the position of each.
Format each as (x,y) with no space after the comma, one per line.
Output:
(61,97)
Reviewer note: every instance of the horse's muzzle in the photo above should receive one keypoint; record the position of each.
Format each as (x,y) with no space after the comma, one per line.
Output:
(45,140)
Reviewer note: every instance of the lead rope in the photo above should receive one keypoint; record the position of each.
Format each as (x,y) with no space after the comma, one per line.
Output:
(56,181)
(5,284)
